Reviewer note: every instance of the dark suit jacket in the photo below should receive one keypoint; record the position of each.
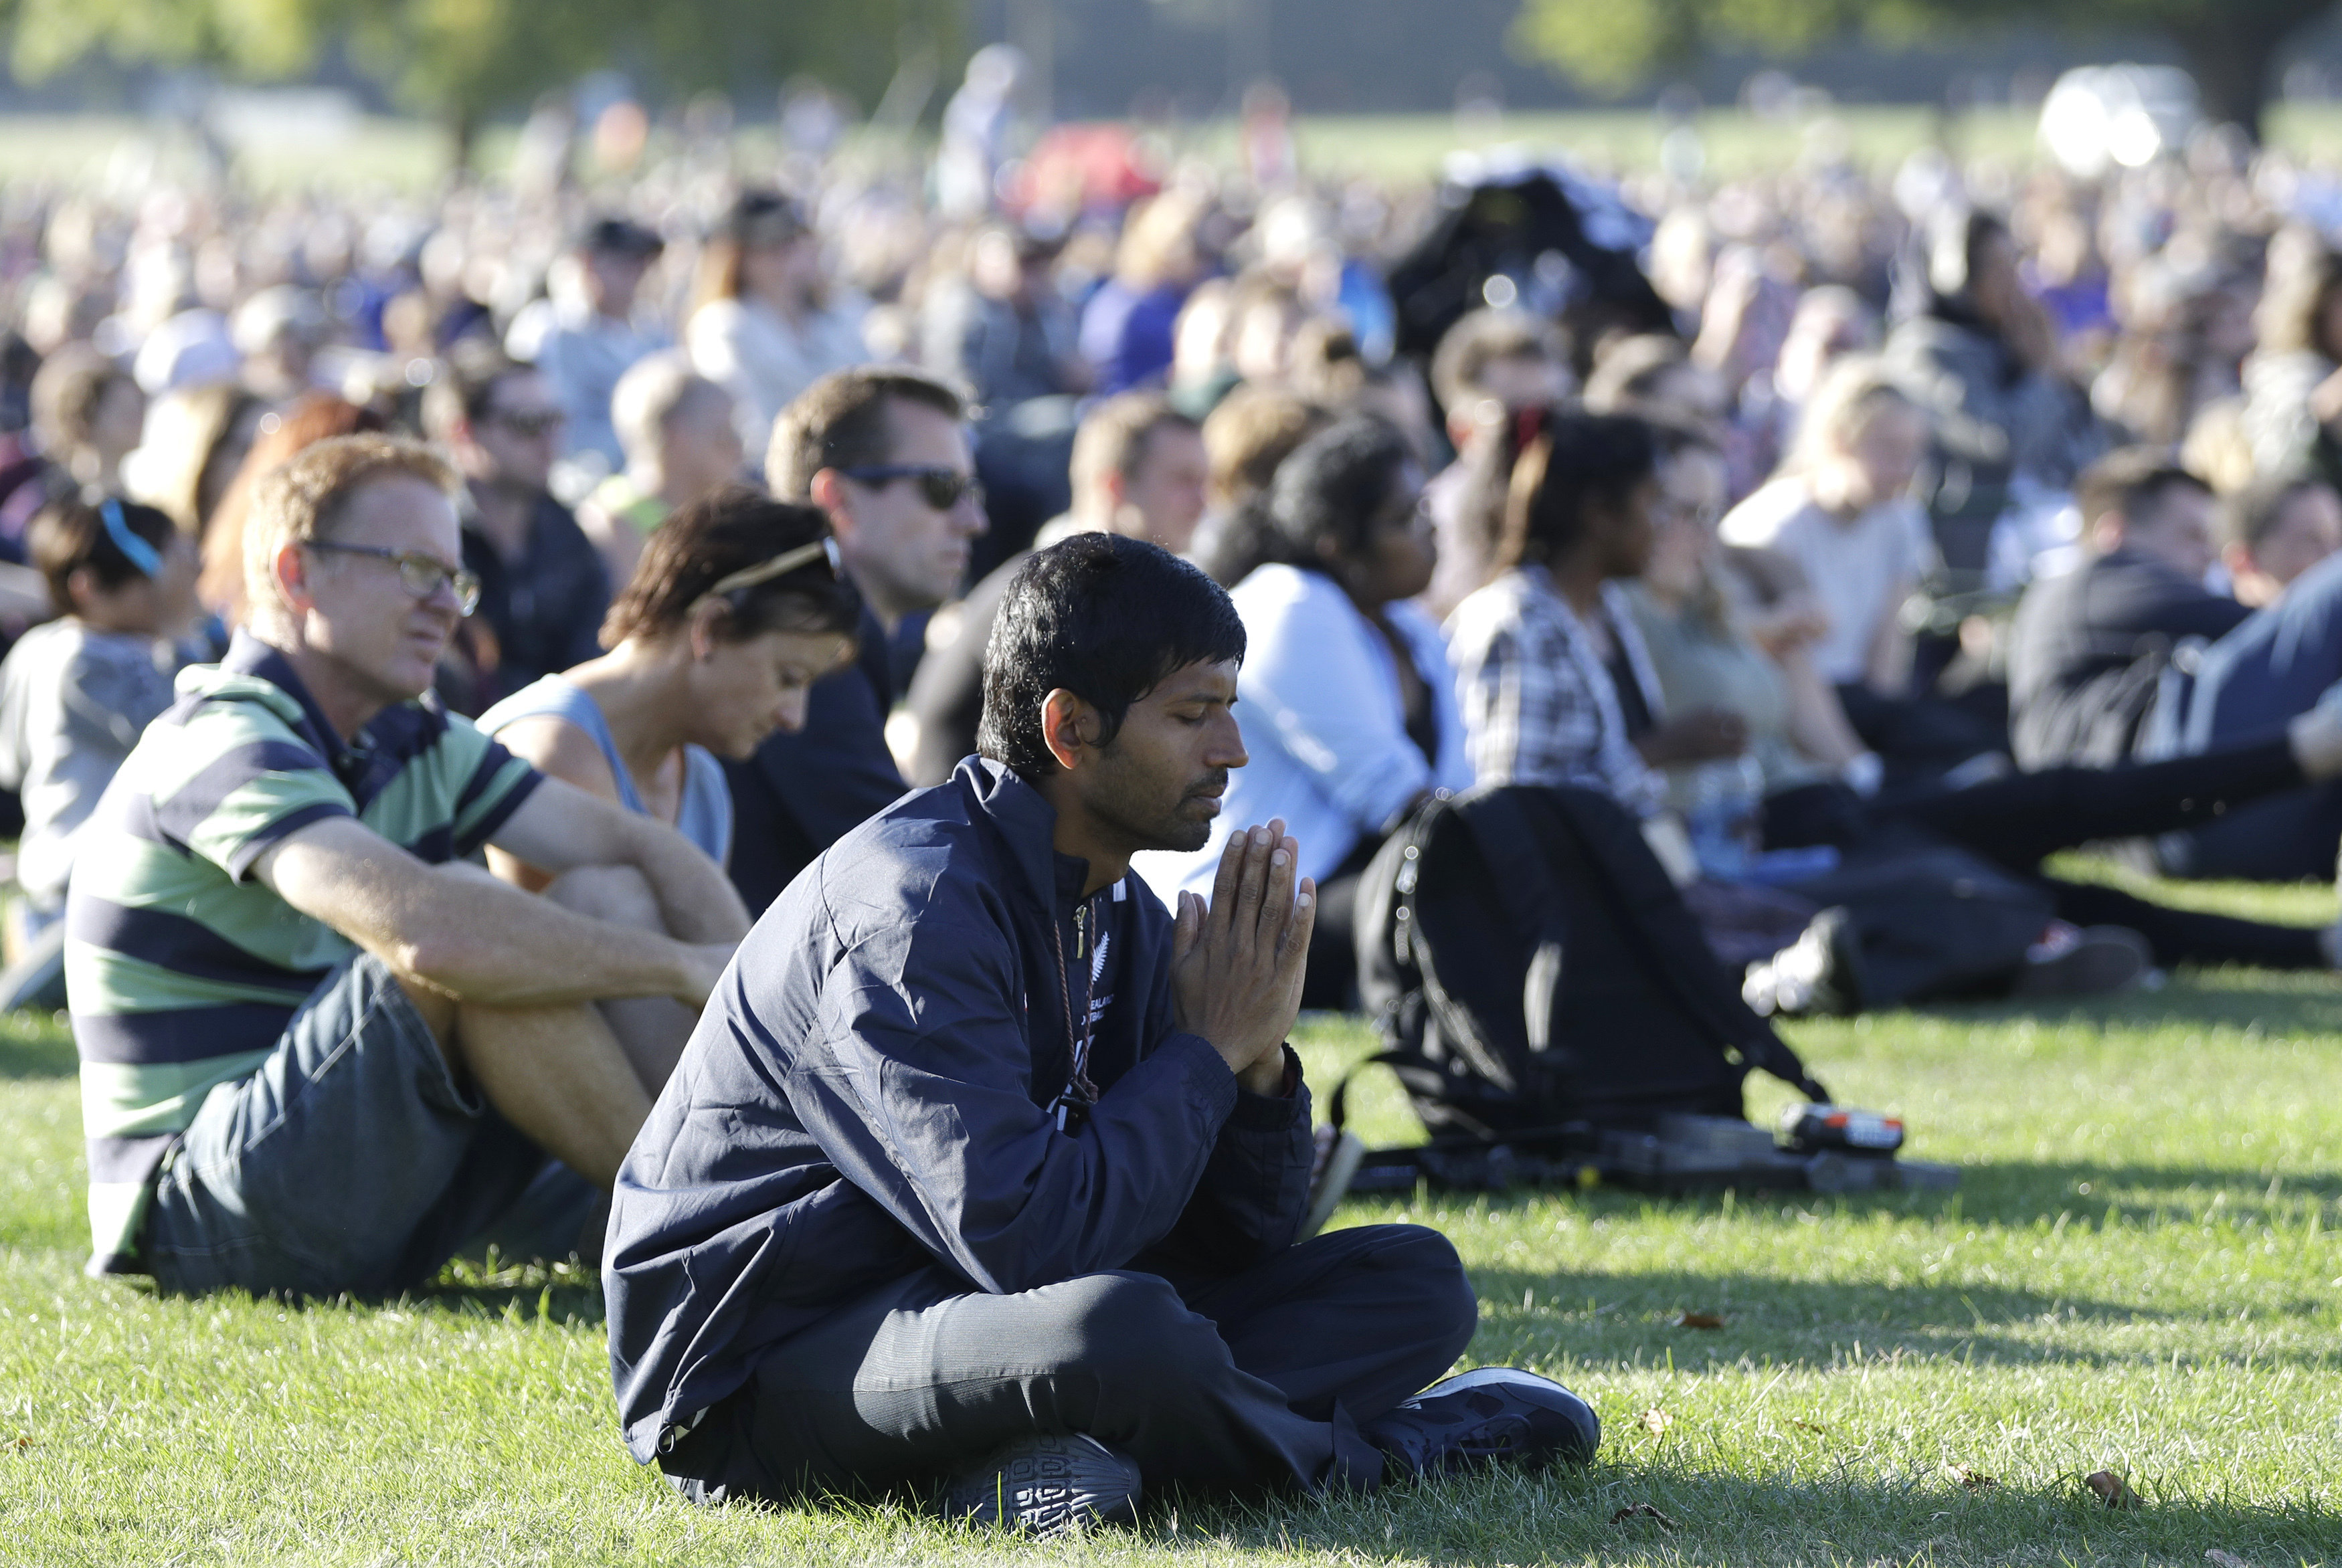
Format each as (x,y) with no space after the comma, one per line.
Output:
(802,792)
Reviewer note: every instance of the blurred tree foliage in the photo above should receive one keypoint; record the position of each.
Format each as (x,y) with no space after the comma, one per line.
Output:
(2231,46)
(462,60)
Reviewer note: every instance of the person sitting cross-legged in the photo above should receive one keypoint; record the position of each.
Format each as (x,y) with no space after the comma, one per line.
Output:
(982,1169)
(318,1052)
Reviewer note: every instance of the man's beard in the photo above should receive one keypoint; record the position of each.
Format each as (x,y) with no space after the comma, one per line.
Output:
(1133,804)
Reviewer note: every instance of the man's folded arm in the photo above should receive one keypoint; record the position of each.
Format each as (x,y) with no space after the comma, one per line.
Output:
(923,1099)
(473,938)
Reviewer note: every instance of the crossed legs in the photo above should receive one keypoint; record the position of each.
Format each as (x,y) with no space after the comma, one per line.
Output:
(1243,1382)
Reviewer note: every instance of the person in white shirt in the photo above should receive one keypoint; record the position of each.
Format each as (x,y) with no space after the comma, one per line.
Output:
(1346,702)
(1841,515)
(765,325)
(584,337)
(1842,511)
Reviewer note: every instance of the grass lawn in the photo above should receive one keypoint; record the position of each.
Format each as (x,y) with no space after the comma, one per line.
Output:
(2138,1273)
(372,154)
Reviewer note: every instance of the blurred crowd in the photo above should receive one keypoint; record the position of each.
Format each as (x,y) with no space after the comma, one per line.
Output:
(1987,467)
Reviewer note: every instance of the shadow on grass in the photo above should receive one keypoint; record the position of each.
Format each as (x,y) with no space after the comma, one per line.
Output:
(36,1045)
(2277,1006)
(1623,1319)
(1817,1508)
(1619,1316)
(560,1292)
(2014,1193)
(2022,1191)
(570,1299)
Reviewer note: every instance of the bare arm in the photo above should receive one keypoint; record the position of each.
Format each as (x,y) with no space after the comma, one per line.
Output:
(560,750)
(560,825)
(1887,671)
(474,939)
(1817,725)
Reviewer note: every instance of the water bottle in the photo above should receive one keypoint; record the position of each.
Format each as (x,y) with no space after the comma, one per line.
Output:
(1721,805)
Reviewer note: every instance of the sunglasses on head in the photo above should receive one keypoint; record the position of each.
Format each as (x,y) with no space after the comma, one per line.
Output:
(941,488)
(787,561)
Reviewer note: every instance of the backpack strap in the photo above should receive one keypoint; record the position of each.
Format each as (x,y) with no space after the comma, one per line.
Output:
(1501,832)
(1654,916)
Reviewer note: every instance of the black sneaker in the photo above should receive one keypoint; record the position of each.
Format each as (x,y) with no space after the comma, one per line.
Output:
(2093,961)
(1499,1413)
(1047,1485)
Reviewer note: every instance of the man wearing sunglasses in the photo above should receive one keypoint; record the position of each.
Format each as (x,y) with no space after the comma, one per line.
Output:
(543,587)
(1139,469)
(320,1050)
(885,453)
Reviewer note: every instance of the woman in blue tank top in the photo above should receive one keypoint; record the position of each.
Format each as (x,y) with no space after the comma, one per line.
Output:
(736,608)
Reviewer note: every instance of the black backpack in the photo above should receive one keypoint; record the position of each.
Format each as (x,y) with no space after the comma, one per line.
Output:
(1538,982)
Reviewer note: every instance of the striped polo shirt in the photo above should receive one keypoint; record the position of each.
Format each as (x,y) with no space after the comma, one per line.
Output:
(182,970)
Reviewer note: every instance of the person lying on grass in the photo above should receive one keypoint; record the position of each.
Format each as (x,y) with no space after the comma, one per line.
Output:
(319,1053)
(982,1169)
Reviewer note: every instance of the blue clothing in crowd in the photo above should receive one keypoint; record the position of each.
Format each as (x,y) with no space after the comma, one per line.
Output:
(2248,686)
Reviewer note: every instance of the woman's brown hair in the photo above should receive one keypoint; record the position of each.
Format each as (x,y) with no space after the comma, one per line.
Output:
(758,218)
(727,533)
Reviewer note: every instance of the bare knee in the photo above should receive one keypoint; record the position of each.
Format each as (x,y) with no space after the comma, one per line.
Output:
(617,893)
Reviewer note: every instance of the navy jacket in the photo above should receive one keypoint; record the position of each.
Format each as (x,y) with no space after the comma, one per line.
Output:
(867,1095)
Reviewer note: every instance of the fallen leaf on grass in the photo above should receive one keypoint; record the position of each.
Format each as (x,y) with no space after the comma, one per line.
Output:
(2220,1559)
(2111,1489)
(1699,1320)
(1969,1477)
(1654,1421)
(1642,1510)
(20,1443)
(1807,1426)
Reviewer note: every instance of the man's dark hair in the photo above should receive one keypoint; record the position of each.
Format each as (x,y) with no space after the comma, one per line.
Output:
(844,421)
(2133,481)
(1107,618)
(467,391)
(2253,513)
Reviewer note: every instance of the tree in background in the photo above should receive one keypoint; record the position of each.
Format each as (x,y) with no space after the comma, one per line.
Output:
(2230,45)
(461,61)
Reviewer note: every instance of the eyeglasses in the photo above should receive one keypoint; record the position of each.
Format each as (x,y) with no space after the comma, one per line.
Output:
(529,422)
(941,487)
(420,576)
(1703,515)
